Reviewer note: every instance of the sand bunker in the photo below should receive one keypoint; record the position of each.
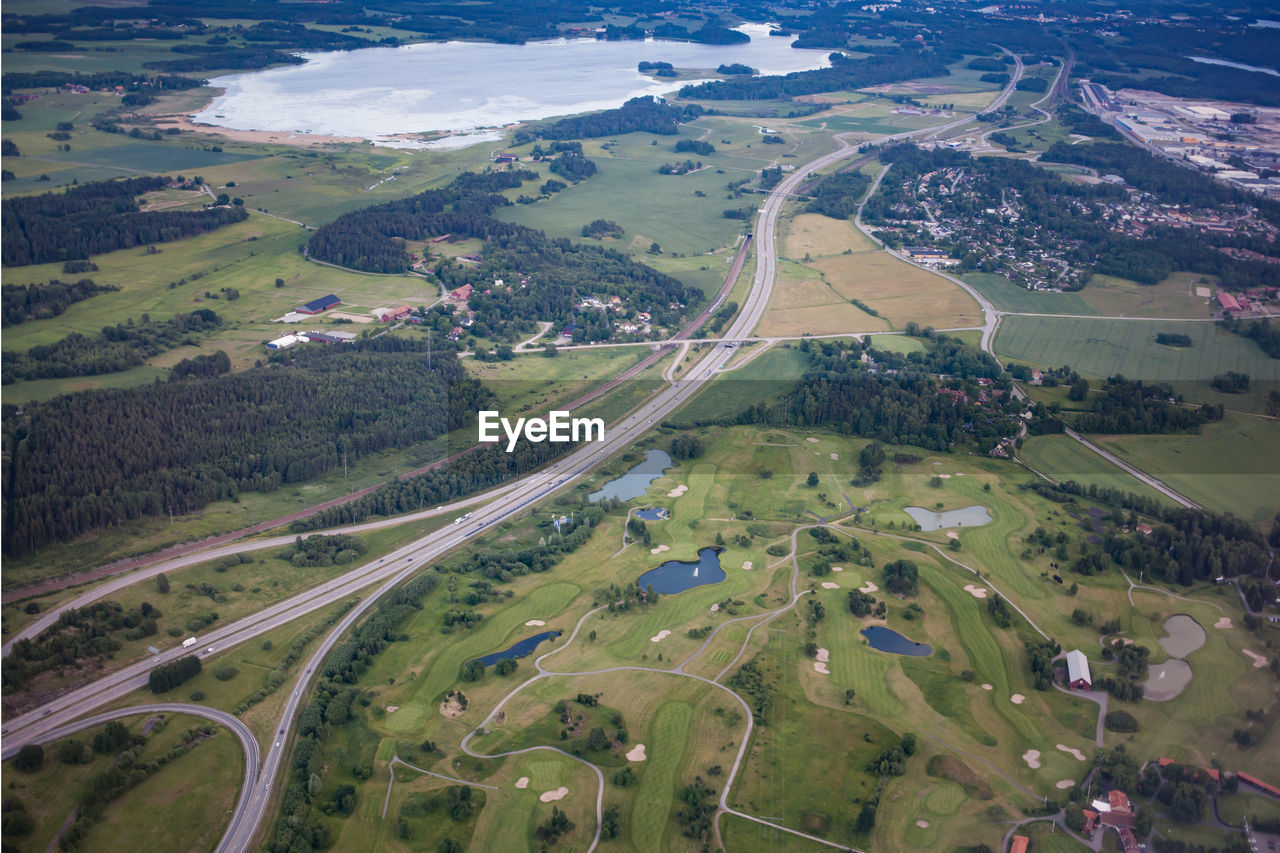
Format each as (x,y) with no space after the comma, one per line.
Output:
(677,491)
(830,585)
(959,473)
(1018,699)
(715,607)
(1223,623)
(636,753)
(1032,757)
(659,549)
(1072,751)
(522,782)
(943,476)
(837,568)
(551,796)
(835,456)
(868,587)
(535,623)
(1064,784)
(820,665)
(660,636)
(746,566)
(391,709)
(814,440)
(976,591)
(923,824)
(951,534)
(988,687)
(1258,660)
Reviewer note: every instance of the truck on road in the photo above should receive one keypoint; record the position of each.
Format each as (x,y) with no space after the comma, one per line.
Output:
(188,642)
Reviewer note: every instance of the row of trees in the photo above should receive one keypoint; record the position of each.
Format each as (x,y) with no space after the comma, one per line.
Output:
(844,74)
(114,349)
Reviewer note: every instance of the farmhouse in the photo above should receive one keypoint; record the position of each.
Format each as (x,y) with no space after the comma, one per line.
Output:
(1078,677)
(1227,301)
(462,294)
(317,306)
(386,315)
(1019,844)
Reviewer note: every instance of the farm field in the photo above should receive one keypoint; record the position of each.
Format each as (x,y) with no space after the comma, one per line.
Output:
(1219,468)
(900,292)
(1064,458)
(1101,348)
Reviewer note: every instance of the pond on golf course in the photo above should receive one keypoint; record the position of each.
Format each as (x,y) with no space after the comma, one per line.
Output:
(653,513)
(518,650)
(678,575)
(635,482)
(888,640)
(969,516)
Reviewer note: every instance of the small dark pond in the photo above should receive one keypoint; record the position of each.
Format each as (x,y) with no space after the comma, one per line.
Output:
(518,650)
(677,575)
(635,482)
(888,640)
(653,513)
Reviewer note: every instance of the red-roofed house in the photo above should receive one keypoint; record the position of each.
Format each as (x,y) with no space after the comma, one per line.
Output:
(1259,784)
(462,294)
(1119,802)
(1090,821)
(1019,844)
(1227,301)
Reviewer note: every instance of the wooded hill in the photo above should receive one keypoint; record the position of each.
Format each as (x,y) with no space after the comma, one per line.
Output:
(81,461)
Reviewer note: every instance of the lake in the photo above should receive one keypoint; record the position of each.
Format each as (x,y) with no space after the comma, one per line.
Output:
(888,640)
(969,516)
(1208,61)
(635,482)
(469,89)
(653,513)
(676,575)
(518,650)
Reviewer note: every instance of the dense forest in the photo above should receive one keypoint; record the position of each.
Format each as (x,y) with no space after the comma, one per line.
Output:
(1125,406)
(893,398)
(844,73)
(132,83)
(96,217)
(115,348)
(23,302)
(838,195)
(82,461)
(543,278)
(643,114)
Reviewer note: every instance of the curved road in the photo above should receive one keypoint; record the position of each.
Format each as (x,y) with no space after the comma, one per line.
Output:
(410,559)
(239,729)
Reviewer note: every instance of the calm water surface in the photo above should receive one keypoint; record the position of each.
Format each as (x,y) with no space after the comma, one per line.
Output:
(678,575)
(635,482)
(969,516)
(518,650)
(888,640)
(471,88)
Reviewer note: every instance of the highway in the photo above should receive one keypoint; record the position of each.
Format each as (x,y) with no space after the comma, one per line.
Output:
(222,718)
(44,722)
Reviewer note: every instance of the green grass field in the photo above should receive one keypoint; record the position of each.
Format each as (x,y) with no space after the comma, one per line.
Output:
(1219,468)
(1102,348)
(1064,458)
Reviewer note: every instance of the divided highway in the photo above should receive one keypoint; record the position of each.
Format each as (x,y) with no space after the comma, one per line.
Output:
(45,723)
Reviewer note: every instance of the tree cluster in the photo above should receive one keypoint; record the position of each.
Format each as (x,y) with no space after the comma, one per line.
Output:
(82,461)
(97,217)
(167,676)
(23,302)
